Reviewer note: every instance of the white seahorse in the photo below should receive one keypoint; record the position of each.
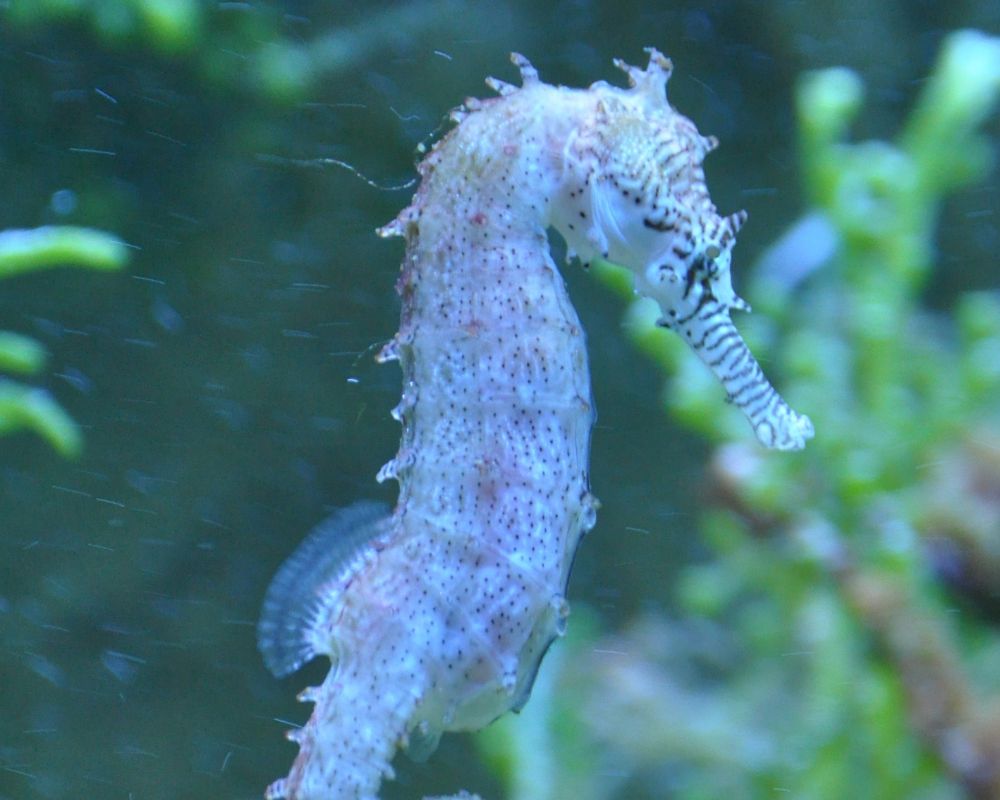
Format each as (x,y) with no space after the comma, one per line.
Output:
(436,616)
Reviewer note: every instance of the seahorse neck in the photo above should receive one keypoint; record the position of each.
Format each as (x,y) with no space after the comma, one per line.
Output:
(494,184)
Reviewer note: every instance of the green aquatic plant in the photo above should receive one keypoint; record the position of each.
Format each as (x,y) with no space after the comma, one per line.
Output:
(170,26)
(824,618)
(24,407)
(247,45)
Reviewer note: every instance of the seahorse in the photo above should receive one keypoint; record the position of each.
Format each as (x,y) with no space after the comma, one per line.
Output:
(436,615)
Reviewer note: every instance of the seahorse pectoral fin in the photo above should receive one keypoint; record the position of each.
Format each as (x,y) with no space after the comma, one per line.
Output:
(422,740)
(549,628)
(308,584)
(709,331)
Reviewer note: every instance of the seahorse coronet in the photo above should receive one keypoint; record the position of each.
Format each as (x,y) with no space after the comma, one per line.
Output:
(438,615)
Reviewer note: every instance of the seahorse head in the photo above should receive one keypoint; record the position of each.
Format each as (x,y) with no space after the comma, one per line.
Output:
(635,193)
(632,191)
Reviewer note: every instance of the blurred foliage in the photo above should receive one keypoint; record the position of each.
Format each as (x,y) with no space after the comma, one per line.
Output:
(255,47)
(824,625)
(171,25)
(21,251)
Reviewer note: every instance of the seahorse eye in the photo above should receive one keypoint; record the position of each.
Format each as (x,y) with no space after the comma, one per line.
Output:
(712,252)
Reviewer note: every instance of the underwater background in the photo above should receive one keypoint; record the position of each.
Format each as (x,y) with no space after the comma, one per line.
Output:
(745,624)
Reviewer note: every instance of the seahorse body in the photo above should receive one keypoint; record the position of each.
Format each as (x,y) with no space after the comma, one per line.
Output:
(436,617)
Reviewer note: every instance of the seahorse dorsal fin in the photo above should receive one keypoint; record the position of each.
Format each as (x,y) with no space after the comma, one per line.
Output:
(301,595)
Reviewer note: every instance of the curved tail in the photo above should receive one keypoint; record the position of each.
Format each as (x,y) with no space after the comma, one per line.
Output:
(361,715)
(364,706)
